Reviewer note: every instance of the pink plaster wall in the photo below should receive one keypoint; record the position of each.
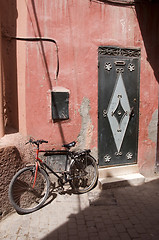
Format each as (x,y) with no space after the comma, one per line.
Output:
(80,27)
(21,60)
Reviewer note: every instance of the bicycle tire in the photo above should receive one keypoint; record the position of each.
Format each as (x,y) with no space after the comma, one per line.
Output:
(84,174)
(23,196)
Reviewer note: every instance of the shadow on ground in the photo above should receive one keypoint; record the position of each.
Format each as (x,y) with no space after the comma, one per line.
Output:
(130,212)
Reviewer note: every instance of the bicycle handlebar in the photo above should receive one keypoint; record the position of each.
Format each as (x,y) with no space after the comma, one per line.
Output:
(37,142)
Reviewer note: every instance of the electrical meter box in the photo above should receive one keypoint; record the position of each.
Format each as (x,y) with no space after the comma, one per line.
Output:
(60,105)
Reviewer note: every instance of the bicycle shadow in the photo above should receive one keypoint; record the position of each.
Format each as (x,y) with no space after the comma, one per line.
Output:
(51,198)
(56,190)
(53,194)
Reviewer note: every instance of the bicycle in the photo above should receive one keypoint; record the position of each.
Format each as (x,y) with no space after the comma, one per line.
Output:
(30,186)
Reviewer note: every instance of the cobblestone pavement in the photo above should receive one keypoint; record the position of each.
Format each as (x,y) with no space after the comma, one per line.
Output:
(127,213)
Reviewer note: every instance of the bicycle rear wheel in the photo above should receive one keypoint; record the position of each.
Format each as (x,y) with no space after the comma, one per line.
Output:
(84,174)
(23,196)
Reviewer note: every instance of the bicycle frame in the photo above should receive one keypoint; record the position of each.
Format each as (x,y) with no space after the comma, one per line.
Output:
(67,152)
(51,152)
(80,172)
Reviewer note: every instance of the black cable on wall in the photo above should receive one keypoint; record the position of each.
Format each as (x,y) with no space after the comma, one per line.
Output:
(37,40)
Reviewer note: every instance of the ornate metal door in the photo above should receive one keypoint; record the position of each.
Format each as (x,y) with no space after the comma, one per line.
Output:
(119,71)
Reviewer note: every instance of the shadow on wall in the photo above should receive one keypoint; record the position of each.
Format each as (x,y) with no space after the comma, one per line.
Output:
(8,13)
(148,18)
(119,3)
(46,66)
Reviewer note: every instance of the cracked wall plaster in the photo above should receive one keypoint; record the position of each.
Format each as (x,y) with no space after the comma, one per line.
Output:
(85,136)
(152,128)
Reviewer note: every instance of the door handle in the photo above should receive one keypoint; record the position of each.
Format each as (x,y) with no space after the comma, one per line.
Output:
(132,114)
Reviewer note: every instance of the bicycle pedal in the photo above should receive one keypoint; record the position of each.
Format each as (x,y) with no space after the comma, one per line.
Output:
(60,190)
(69,178)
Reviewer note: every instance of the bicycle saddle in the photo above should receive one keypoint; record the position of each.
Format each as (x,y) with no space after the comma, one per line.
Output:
(69,145)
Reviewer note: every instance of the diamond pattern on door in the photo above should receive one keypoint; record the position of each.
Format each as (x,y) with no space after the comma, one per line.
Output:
(119,112)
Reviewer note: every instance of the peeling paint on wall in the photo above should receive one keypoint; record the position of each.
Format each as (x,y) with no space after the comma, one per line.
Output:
(85,136)
(152,128)
(94,153)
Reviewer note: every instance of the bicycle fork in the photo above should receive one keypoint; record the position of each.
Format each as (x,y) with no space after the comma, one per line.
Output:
(35,175)
(36,167)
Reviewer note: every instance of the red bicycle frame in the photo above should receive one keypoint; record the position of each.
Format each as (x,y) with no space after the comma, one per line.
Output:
(36,169)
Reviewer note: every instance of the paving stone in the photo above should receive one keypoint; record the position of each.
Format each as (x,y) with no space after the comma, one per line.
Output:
(72,232)
(112,232)
(107,221)
(120,228)
(115,238)
(83,233)
(94,237)
(140,229)
(133,233)
(83,238)
(134,220)
(100,226)
(92,229)
(124,236)
(127,223)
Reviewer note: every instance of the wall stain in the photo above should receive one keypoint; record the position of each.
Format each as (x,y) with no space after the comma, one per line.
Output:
(152,128)
(85,136)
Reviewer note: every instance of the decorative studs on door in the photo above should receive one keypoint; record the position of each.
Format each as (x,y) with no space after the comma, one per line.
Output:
(129,155)
(107,158)
(107,66)
(131,67)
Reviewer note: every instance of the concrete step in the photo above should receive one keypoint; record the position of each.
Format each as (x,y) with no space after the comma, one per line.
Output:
(118,171)
(133,179)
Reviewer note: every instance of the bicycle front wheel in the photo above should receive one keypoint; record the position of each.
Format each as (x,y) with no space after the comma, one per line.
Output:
(84,174)
(25,197)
